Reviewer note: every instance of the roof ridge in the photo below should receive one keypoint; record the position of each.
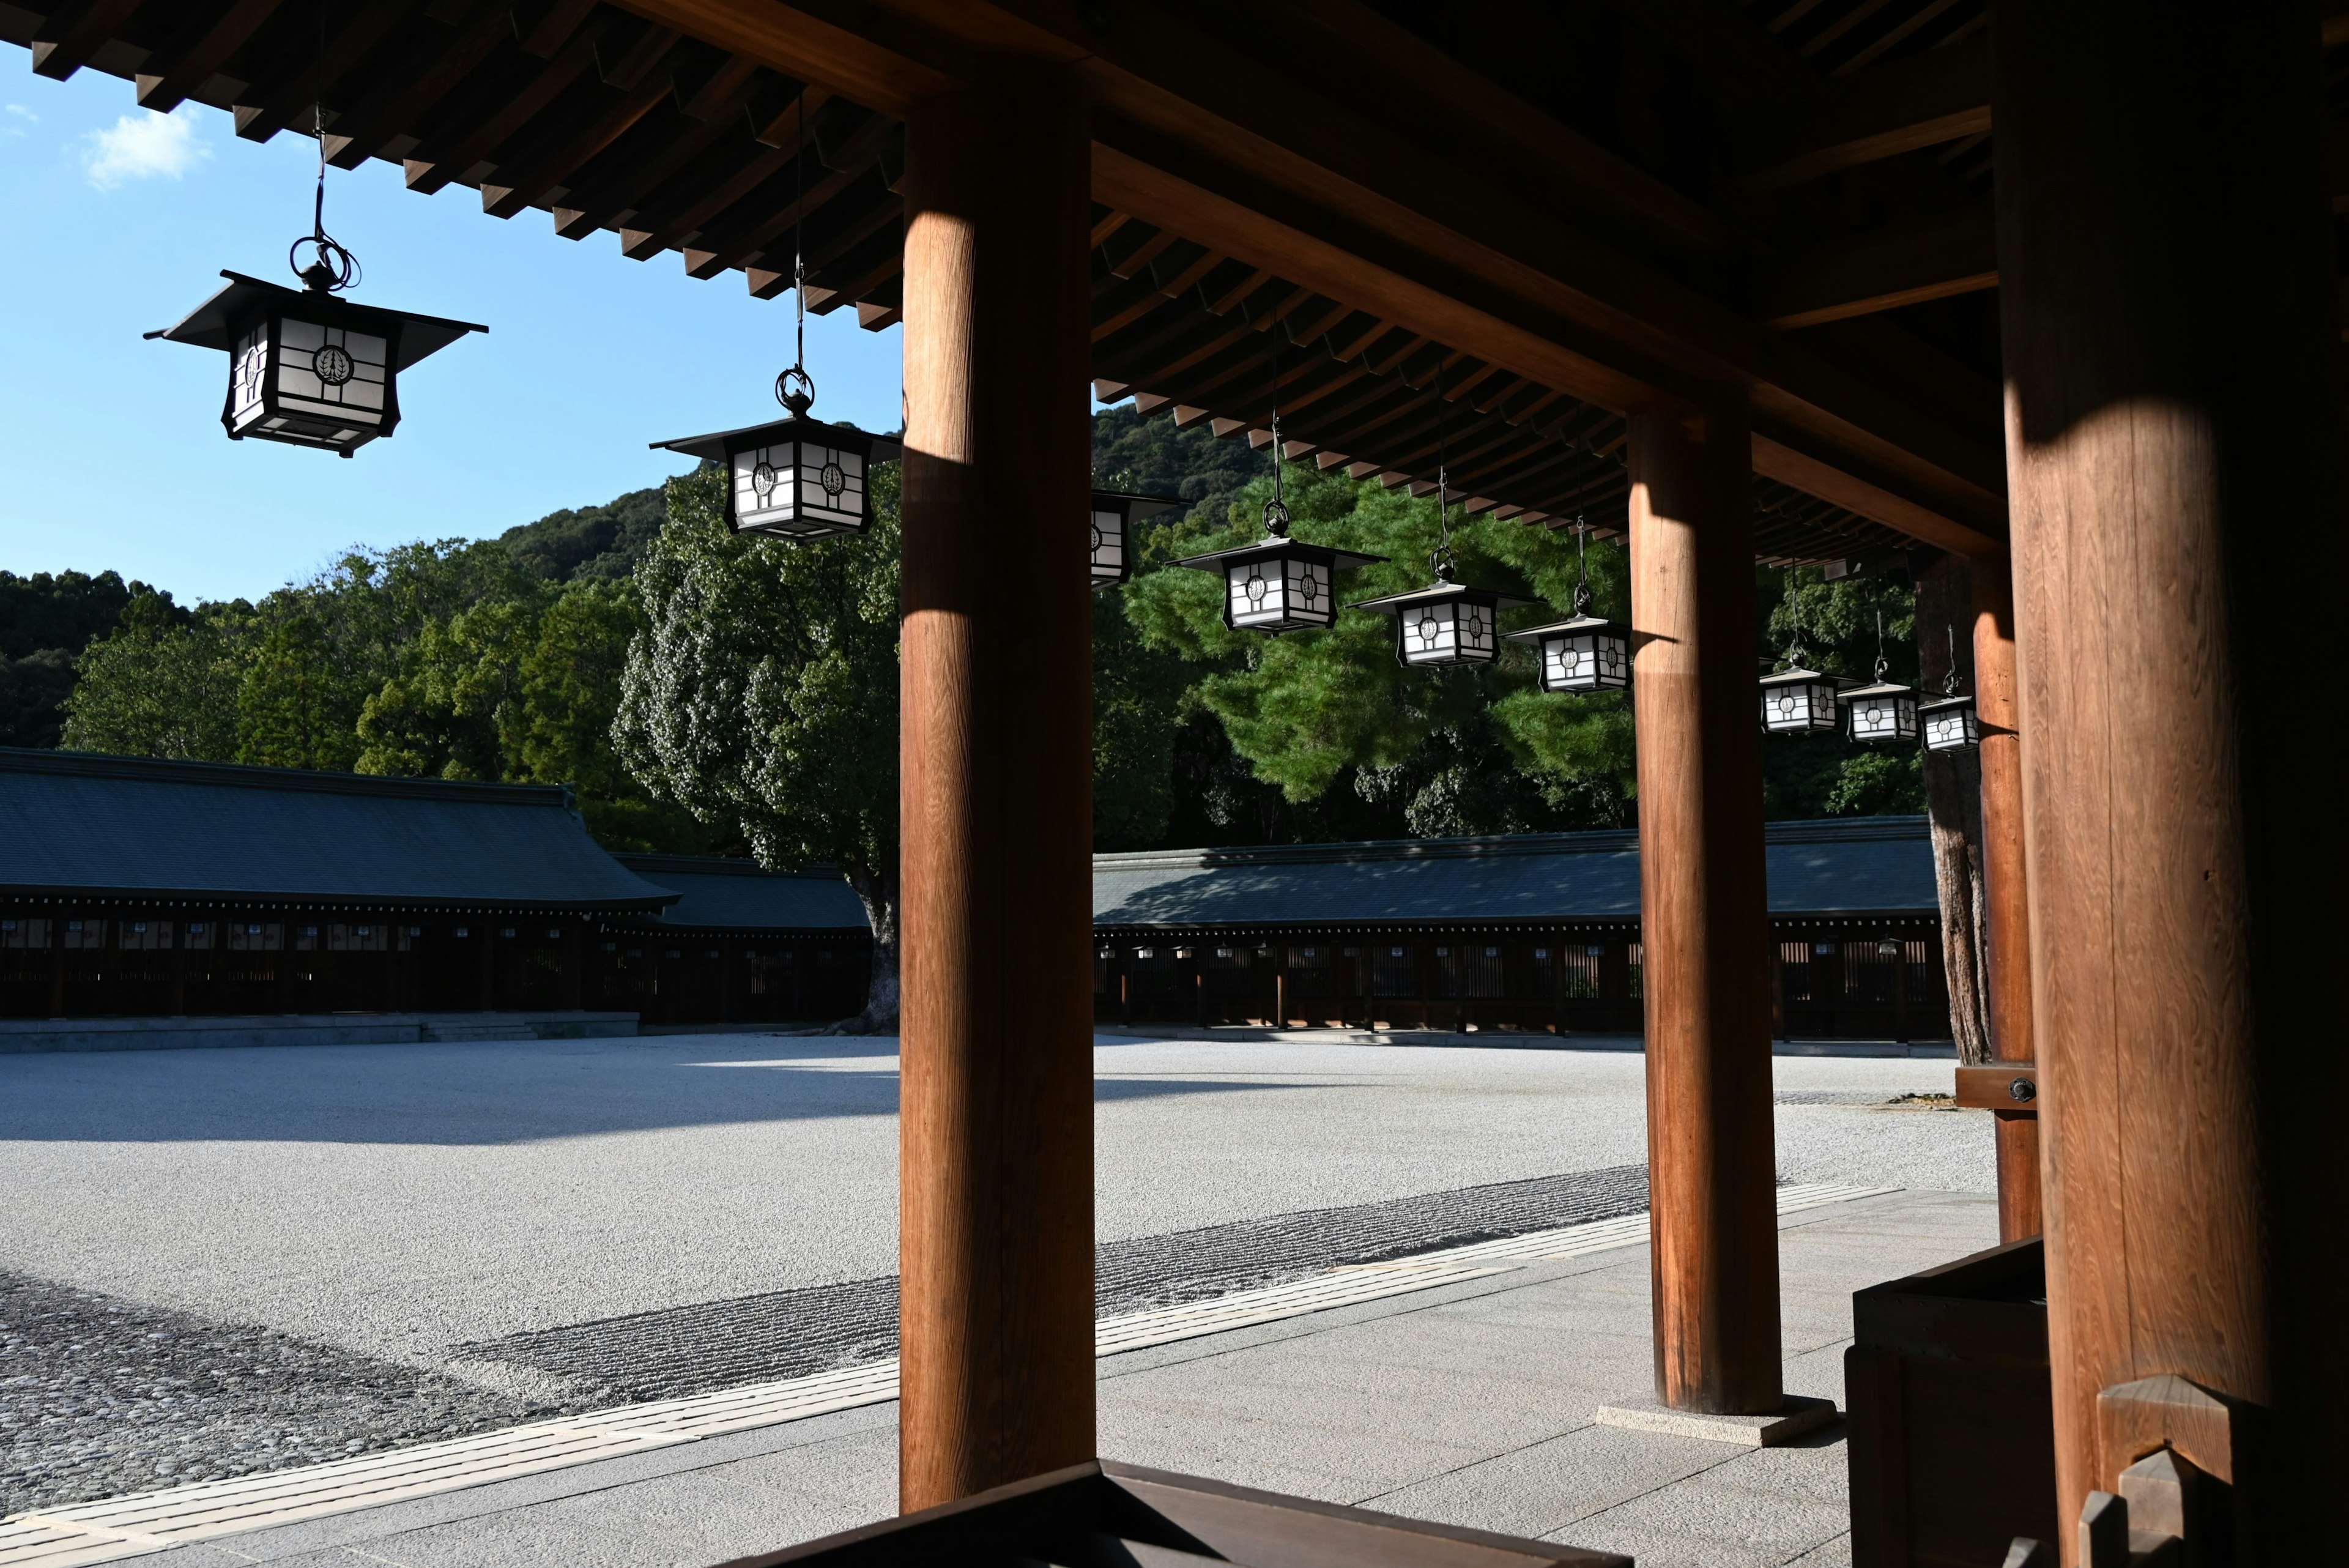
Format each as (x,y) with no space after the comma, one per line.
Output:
(245,775)
(719,865)
(1593,841)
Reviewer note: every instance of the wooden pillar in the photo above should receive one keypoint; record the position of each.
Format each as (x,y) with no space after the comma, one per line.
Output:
(1710,1164)
(58,965)
(488,937)
(2006,897)
(573,994)
(2168,304)
(996,808)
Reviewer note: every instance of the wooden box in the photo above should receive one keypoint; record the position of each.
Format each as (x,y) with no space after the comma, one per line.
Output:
(1105,1515)
(1952,1423)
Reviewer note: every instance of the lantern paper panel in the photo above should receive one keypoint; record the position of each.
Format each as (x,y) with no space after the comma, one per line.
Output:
(1114,512)
(797,488)
(1110,567)
(1460,631)
(1800,703)
(1882,712)
(1582,654)
(1951,725)
(1289,593)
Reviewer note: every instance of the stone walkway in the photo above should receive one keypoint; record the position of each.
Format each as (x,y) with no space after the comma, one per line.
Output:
(1469,1404)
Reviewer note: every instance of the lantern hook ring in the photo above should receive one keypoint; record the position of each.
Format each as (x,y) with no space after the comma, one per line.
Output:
(795,390)
(1276,518)
(331,268)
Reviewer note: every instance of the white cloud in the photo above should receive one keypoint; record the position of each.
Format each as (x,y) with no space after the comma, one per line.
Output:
(142,145)
(21,111)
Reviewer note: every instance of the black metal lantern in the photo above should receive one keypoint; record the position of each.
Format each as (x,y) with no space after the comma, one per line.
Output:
(1447,623)
(1584,654)
(1950,723)
(1278,584)
(307,369)
(795,479)
(1799,701)
(1114,515)
(1885,711)
(303,367)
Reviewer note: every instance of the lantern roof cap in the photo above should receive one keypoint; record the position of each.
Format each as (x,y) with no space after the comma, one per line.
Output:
(1560,627)
(1146,506)
(713,446)
(1882,689)
(1441,593)
(215,322)
(1940,704)
(1800,676)
(1276,549)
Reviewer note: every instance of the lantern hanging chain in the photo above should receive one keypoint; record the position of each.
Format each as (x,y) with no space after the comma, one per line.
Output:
(795,388)
(1950,683)
(1582,595)
(332,267)
(1443,557)
(1882,664)
(1794,655)
(1276,511)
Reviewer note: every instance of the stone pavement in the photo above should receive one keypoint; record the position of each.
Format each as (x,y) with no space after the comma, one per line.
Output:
(1470,1404)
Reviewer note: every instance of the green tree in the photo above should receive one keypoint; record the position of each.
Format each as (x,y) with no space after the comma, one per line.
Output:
(762,693)
(1455,751)
(288,708)
(164,684)
(1834,625)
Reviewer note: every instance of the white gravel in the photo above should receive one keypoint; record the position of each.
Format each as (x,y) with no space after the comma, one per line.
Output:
(396,1199)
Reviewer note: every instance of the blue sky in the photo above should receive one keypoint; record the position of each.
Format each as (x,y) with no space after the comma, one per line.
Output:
(111,452)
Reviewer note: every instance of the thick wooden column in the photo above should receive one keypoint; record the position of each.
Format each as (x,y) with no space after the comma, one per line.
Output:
(2005,888)
(2166,293)
(995,798)
(1703,915)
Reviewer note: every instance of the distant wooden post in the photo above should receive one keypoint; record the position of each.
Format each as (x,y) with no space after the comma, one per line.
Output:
(2006,893)
(2169,303)
(996,802)
(1704,923)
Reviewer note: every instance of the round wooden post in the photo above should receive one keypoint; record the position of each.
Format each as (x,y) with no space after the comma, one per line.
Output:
(2167,302)
(2005,888)
(995,808)
(1704,916)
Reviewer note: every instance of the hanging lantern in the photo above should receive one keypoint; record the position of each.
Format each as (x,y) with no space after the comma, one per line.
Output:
(1584,654)
(1884,712)
(1950,723)
(1114,515)
(307,369)
(1448,623)
(795,479)
(1800,701)
(1278,584)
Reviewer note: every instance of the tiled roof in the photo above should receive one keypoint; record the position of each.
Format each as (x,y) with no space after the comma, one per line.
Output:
(719,893)
(74,822)
(1850,865)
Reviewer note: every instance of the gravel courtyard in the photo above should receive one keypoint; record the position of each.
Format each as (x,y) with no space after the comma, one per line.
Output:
(221,1261)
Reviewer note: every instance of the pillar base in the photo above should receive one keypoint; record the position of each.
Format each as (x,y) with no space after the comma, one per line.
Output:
(1797,1415)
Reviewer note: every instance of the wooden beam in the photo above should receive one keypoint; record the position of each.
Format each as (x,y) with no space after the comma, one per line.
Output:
(1922,100)
(805,45)
(203,60)
(72,32)
(1773,459)
(1946,254)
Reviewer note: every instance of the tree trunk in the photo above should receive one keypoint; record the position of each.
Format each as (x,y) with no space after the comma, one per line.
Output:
(1954,807)
(879,894)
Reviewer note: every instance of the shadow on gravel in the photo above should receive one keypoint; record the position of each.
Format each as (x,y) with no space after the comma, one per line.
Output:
(469,1093)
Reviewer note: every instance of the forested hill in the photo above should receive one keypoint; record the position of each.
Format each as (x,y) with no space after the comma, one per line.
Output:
(589,542)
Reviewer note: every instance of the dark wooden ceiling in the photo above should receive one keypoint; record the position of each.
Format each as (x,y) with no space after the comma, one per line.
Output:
(1790,192)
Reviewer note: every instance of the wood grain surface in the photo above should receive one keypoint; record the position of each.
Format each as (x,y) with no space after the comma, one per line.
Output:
(996,1185)
(1703,919)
